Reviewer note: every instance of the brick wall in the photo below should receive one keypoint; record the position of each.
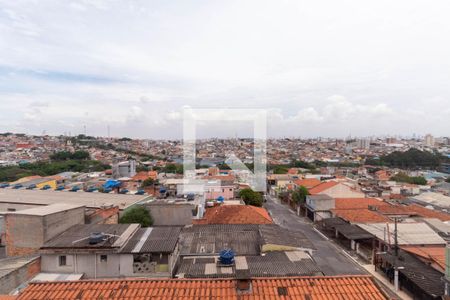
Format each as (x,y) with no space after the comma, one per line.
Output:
(104,216)
(15,278)
(25,234)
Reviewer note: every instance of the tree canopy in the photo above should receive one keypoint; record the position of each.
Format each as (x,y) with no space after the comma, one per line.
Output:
(148,182)
(137,214)
(66,155)
(411,159)
(12,173)
(251,197)
(402,177)
(299,195)
(173,168)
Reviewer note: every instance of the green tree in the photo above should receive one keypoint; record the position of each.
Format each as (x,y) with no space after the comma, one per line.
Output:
(137,214)
(148,182)
(448,180)
(411,159)
(251,197)
(402,177)
(174,168)
(299,195)
(280,170)
(66,155)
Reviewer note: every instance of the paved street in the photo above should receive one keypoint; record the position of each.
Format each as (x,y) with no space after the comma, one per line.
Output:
(328,256)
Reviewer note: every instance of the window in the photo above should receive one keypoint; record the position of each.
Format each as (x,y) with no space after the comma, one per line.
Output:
(63,260)
(103,258)
(11,209)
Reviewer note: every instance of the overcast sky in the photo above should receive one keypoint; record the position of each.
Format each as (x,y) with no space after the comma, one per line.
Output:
(320,68)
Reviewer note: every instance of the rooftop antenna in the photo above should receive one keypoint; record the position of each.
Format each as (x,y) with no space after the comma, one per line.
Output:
(85,131)
(109,132)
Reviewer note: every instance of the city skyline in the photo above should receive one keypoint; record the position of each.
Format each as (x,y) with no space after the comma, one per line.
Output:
(319,69)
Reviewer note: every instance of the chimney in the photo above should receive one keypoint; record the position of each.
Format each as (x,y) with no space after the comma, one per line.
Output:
(244,282)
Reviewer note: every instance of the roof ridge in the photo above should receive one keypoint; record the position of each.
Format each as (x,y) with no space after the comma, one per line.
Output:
(145,279)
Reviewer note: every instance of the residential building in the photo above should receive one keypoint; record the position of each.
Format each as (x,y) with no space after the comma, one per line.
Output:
(105,251)
(27,230)
(124,169)
(319,206)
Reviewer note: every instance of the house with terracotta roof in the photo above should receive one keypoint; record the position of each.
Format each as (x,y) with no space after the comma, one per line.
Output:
(235,214)
(431,255)
(336,189)
(308,183)
(301,288)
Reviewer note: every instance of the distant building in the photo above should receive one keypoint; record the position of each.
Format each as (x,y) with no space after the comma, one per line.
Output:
(124,169)
(429,140)
(363,144)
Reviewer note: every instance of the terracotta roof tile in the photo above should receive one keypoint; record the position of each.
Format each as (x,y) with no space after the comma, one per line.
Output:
(308,183)
(235,214)
(356,203)
(429,213)
(434,254)
(339,287)
(361,215)
(322,187)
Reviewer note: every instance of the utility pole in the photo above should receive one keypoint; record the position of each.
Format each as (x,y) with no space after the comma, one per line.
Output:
(395,238)
(396,268)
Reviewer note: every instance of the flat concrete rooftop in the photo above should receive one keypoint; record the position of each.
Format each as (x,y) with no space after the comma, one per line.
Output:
(45,210)
(90,200)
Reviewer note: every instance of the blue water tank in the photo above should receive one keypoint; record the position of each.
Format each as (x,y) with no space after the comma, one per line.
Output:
(96,237)
(91,189)
(76,188)
(46,187)
(140,192)
(220,198)
(60,188)
(226,257)
(31,186)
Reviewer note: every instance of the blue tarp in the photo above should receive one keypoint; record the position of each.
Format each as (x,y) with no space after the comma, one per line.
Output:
(111,184)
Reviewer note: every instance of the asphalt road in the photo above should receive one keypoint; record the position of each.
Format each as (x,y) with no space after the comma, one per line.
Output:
(329,257)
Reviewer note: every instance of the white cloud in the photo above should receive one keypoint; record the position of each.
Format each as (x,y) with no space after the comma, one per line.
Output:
(328,67)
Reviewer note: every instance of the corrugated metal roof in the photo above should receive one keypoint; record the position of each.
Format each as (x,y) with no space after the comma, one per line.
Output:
(159,239)
(408,233)
(271,264)
(274,234)
(80,235)
(421,274)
